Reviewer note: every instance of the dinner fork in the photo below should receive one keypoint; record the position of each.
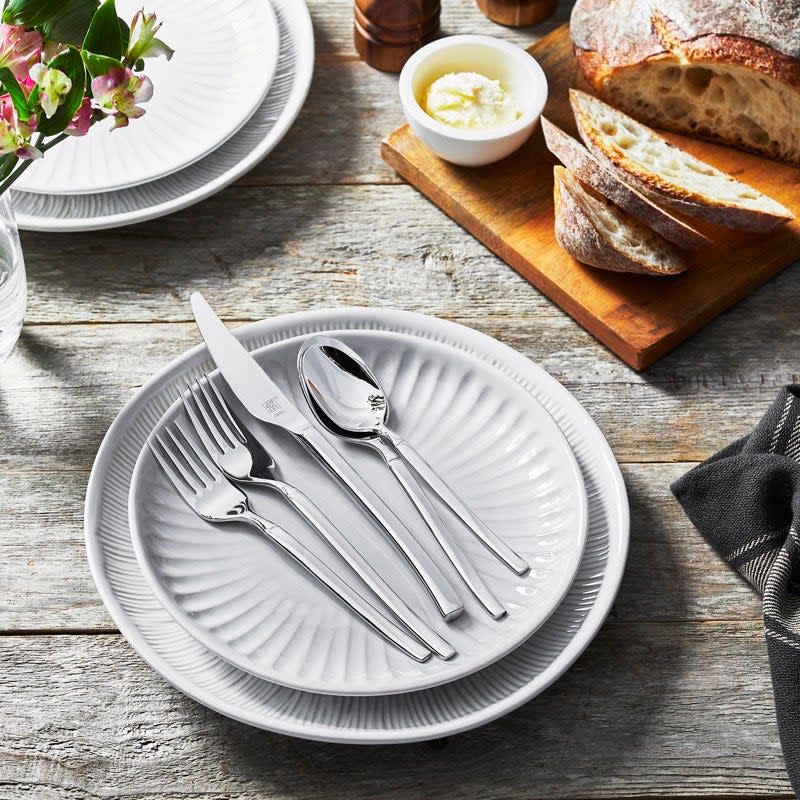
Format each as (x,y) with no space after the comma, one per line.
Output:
(211,496)
(242,459)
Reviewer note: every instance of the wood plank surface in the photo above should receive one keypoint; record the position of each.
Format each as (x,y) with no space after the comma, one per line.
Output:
(83,721)
(509,207)
(672,699)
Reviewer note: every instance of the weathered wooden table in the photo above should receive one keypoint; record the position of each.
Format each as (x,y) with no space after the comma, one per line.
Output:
(672,699)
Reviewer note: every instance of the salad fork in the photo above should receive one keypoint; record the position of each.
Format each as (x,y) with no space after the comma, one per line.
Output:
(211,496)
(243,460)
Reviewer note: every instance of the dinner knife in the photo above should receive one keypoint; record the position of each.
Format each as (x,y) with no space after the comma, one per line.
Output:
(260,395)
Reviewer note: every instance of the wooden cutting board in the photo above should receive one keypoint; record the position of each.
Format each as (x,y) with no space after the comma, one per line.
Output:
(509,207)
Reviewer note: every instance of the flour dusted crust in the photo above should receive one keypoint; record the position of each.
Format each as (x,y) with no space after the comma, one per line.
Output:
(727,70)
(596,232)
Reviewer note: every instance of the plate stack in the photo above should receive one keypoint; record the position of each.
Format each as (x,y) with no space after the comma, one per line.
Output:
(237,81)
(230,620)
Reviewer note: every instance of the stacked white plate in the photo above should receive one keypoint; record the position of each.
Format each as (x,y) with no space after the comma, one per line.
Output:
(227,619)
(237,81)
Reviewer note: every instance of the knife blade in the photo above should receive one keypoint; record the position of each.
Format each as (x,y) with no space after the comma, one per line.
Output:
(262,397)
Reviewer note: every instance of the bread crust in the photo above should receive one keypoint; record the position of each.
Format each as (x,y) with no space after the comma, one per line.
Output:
(616,39)
(660,190)
(613,34)
(580,238)
(576,158)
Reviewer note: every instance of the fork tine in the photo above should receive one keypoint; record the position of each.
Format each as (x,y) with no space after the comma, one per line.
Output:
(233,425)
(166,464)
(211,407)
(199,477)
(212,445)
(217,434)
(201,453)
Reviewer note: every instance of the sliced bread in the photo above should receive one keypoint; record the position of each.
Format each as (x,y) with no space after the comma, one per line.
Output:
(576,158)
(668,175)
(593,230)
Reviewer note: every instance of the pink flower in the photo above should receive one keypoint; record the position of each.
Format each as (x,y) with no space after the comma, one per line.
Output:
(19,49)
(15,135)
(118,91)
(82,121)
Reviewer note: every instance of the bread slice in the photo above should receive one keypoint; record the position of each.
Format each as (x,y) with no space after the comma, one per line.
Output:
(576,158)
(669,175)
(595,231)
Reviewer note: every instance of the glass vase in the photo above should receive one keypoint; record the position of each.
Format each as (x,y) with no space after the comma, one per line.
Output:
(13,286)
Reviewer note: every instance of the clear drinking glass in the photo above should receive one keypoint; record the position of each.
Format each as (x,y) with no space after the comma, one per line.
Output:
(13,286)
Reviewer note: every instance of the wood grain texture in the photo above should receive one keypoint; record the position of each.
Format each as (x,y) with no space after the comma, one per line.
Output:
(82,719)
(672,575)
(509,207)
(672,700)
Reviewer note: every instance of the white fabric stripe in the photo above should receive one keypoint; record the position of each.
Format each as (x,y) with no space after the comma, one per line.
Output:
(793,447)
(781,422)
(752,543)
(757,571)
(784,639)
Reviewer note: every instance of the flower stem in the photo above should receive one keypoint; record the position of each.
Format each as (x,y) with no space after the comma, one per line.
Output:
(54,142)
(6,184)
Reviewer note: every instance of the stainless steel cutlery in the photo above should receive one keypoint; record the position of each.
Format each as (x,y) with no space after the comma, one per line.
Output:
(208,461)
(260,395)
(213,497)
(243,460)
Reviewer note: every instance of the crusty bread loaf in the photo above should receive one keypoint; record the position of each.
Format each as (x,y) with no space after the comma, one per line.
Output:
(577,159)
(727,70)
(669,175)
(595,231)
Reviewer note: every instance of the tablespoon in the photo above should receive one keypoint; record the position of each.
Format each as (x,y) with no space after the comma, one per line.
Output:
(243,460)
(347,398)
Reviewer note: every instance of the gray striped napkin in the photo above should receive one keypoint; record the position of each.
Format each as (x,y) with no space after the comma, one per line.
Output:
(745,501)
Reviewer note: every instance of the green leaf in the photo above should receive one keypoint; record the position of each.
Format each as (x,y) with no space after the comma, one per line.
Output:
(97,64)
(7,164)
(124,34)
(71,64)
(104,37)
(62,20)
(18,97)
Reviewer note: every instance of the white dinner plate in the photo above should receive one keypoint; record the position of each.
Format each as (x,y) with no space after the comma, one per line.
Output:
(225,57)
(248,602)
(428,714)
(268,125)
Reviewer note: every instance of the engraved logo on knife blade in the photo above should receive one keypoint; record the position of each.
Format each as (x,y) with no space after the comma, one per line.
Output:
(273,406)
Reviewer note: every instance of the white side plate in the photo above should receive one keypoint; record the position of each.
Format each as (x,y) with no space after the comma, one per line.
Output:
(432,713)
(494,443)
(268,125)
(226,54)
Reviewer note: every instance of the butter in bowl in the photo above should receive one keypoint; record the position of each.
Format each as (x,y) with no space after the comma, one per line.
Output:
(472,99)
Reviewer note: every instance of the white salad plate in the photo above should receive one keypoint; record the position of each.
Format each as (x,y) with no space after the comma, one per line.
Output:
(493,443)
(253,142)
(225,57)
(428,714)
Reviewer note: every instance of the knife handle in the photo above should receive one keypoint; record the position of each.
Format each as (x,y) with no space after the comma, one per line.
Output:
(431,576)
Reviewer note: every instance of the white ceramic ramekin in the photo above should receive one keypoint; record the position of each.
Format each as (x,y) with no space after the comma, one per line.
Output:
(518,72)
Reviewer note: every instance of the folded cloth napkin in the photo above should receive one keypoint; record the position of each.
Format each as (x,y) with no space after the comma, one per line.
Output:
(745,501)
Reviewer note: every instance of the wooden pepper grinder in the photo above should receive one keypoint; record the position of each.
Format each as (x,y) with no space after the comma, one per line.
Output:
(388,32)
(517,13)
